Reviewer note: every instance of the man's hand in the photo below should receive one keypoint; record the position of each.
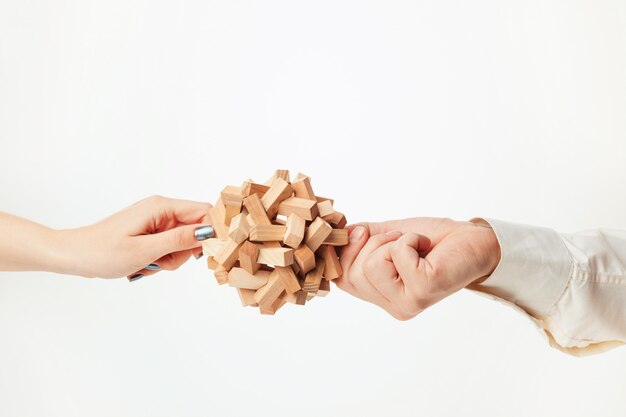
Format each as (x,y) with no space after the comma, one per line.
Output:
(405,266)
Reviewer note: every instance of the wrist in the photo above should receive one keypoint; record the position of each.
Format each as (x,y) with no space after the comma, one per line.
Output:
(490,251)
(64,252)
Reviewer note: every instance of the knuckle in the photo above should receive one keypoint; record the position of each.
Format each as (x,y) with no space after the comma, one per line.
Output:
(155,199)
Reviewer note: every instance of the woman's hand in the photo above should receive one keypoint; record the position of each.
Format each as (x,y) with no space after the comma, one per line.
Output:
(157,233)
(405,266)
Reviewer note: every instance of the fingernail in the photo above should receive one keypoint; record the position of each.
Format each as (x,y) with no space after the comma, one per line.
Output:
(394,233)
(135,277)
(204,232)
(357,233)
(153,267)
(198,256)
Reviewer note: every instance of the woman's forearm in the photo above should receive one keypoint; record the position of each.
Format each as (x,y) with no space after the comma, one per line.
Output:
(29,246)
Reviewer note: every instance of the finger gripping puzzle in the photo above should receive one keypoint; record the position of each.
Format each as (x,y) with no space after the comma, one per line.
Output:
(275,242)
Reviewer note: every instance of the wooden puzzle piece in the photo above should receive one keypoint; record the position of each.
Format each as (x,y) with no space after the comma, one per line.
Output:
(294,232)
(307,209)
(317,232)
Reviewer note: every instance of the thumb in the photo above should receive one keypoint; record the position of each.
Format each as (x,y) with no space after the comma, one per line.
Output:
(179,238)
(348,253)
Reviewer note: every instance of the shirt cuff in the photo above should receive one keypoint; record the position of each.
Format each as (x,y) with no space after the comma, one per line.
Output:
(534,269)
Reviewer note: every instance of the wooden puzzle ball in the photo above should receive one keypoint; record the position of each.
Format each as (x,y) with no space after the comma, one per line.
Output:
(275,242)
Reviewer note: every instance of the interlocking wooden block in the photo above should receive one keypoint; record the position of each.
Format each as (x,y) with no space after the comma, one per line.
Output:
(221,275)
(227,255)
(337,237)
(305,258)
(275,256)
(279,191)
(240,278)
(336,219)
(325,209)
(267,232)
(302,188)
(211,263)
(289,278)
(248,255)
(294,232)
(256,212)
(218,216)
(247,297)
(298,297)
(314,278)
(250,187)
(324,288)
(239,228)
(318,231)
(211,247)
(290,262)
(267,294)
(332,266)
(232,198)
(307,209)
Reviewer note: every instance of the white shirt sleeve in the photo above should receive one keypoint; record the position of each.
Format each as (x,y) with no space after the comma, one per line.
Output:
(573,286)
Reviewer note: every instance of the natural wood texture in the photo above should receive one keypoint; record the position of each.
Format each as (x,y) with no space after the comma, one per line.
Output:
(232,199)
(267,232)
(332,266)
(250,188)
(267,294)
(218,215)
(307,209)
(275,256)
(274,307)
(325,208)
(248,255)
(221,275)
(320,199)
(337,237)
(211,247)
(256,212)
(279,221)
(305,258)
(317,232)
(314,278)
(240,278)
(227,255)
(279,191)
(290,281)
(302,188)
(324,288)
(247,297)
(336,219)
(294,232)
(211,263)
(282,173)
(239,228)
(298,297)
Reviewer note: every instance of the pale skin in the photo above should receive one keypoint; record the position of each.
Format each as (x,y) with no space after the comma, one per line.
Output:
(403,266)
(406,266)
(156,230)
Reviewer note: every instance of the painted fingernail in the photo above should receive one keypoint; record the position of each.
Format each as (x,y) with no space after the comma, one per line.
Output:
(153,267)
(394,233)
(135,277)
(357,234)
(204,232)
(198,256)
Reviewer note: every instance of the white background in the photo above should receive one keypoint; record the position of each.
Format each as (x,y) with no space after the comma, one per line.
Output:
(514,110)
